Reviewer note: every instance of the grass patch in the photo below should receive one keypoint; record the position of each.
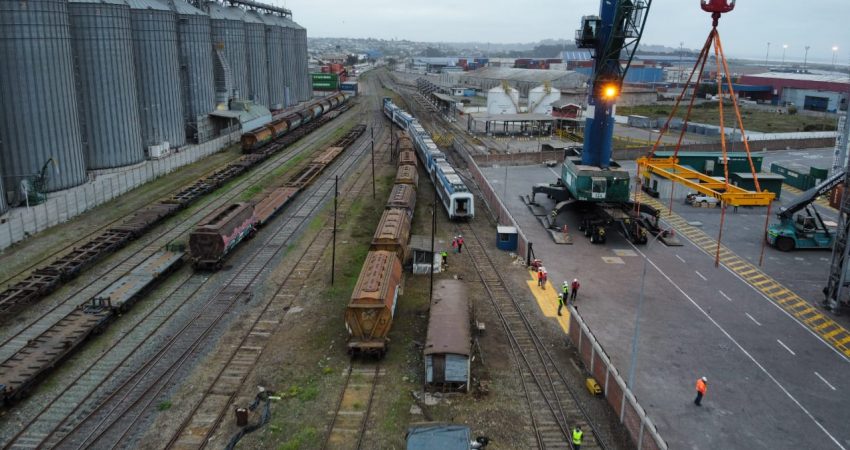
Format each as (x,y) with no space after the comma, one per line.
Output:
(754,120)
(164,406)
(304,437)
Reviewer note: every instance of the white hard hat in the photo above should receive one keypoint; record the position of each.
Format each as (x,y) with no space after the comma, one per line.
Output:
(575,280)
(705,379)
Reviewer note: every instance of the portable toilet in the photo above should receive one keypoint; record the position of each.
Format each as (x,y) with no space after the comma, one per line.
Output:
(506,238)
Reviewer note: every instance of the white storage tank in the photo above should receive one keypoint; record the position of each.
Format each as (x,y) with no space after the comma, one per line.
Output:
(540,99)
(502,100)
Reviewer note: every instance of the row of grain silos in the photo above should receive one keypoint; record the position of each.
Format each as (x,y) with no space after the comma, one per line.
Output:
(94,84)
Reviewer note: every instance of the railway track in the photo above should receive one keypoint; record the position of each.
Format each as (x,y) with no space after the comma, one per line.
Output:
(348,426)
(117,362)
(113,420)
(553,406)
(139,250)
(206,415)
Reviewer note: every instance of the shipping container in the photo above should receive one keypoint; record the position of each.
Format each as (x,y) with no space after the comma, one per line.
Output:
(800,176)
(325,81)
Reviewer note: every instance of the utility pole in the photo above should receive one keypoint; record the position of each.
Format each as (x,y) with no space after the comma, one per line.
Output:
(433,235)
(372,133)
(333,250)
(806,58)
(767,55)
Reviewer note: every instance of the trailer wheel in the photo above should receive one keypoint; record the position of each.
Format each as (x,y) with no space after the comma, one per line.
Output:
(785,244)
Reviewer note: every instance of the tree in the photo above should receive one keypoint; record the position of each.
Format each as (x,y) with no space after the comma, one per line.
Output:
(392,62)
(433,52)
(351,60)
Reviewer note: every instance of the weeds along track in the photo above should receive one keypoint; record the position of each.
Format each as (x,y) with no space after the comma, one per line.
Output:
(207,415)
(553,406)
(120,361)
(121,409)
(17,336)
(348,426)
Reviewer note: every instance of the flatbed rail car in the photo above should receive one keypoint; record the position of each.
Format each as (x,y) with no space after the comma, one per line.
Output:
(393,233)
(23,370)
(46,279)
(369,315)
(213,240)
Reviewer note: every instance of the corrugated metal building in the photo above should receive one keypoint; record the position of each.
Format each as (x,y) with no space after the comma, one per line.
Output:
(38,111)
(813,91)
(157,73)
(522,80)
(102,42)
(448,345)
(258,71)
(196,69)
(228,35)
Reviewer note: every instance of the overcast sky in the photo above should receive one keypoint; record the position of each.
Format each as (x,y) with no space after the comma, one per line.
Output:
(746,31)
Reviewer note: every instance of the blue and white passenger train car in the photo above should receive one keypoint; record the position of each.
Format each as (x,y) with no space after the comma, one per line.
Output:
(455,196)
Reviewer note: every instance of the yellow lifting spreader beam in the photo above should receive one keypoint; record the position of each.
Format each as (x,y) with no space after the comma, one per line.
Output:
(729,194)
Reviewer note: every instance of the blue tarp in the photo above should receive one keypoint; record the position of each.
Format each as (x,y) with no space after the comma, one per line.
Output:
(438,436)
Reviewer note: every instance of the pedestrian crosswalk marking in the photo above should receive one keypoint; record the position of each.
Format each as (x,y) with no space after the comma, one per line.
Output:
(830,331)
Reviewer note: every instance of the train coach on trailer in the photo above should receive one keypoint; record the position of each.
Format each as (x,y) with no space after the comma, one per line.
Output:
(448,345)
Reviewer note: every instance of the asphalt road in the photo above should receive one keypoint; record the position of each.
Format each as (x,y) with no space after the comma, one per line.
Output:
(772,383)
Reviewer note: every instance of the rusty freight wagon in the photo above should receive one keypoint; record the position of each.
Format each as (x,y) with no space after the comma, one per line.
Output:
(393,233)
(214,239)
(407,175)
(448,345)
(403,196)
(369,315)
(407,158)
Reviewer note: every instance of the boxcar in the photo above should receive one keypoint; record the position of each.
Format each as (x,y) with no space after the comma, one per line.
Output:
(407,175)
(403,196)
(448,344)
(393,233)
(213,239)
(369,315)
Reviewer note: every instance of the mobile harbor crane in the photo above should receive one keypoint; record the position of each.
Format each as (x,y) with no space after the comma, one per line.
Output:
(594,182)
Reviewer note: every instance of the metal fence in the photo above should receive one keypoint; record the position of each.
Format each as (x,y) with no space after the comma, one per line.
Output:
(20,223)
(640,427)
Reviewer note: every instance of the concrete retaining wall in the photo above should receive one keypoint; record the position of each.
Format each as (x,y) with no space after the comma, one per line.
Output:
(19,223)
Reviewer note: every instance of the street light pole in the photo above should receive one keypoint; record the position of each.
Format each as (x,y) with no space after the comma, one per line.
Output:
(784,47)
(834,56)
(767,55)
(806,58)
(633,363)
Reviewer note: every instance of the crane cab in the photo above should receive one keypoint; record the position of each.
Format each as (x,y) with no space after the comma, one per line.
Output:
(588,35)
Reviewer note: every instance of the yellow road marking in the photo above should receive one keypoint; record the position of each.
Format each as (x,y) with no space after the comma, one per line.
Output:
(792,303)
(547,300)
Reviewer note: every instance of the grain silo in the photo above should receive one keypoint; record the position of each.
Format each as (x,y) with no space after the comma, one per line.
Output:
(157,74)
(275,48)
(106,85)
(291,61)
(302,73)
(540,99)
(38,111)
(258,71)
(502,100)
(228,35)
(196,69)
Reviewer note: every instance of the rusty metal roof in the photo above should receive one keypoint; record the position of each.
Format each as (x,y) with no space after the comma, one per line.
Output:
(448,325)
(392,225)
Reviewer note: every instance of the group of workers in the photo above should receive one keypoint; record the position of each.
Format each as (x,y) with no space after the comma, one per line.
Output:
(569,292)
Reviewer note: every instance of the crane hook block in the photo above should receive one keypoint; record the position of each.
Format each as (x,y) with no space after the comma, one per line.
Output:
(717,6)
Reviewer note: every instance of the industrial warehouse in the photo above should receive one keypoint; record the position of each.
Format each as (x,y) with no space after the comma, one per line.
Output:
(624,227)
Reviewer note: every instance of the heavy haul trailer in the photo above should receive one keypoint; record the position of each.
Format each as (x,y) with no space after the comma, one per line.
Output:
(602,197)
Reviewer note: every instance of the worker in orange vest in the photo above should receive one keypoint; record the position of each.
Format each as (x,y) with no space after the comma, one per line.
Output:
(540,278)
(702,385)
